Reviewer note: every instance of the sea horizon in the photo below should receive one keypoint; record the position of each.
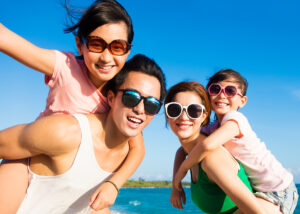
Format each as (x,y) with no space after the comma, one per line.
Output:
(156,200)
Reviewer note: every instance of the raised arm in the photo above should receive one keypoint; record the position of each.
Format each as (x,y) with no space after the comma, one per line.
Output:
(106,194)
(42,60)
(204,146)
(49,135)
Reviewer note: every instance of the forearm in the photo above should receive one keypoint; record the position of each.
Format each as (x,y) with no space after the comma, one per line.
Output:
(179,158)
(132,161)
(206,145)
(20,49)
(198,153)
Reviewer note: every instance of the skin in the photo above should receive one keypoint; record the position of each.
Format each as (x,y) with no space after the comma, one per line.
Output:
(101,67)
(187,130)
(219,166)
(55,153)
(203,149)
(104,66)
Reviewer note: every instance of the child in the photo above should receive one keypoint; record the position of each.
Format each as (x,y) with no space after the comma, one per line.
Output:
(104,35)
(187,109)
(68,165)
(273,185)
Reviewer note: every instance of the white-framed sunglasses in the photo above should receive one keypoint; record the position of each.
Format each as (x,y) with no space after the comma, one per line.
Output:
(193,110)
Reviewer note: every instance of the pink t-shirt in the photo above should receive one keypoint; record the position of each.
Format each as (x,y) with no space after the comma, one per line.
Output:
(265,173)
(71,91)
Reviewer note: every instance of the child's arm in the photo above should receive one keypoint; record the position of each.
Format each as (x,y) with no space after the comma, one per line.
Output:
(106,194)
(42,60)
(204,146)
(178,196)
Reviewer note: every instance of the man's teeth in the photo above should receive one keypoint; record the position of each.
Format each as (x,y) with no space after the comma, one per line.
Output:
(135,120)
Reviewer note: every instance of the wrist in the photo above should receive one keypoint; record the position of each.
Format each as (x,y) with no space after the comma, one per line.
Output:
(115,185)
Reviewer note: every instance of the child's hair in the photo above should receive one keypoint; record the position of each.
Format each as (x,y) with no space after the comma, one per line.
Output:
(101,12)
(195,87)
(232,75)
(143,64)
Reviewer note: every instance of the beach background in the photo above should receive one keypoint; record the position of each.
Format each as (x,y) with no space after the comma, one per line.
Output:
(155,201)
(190,40)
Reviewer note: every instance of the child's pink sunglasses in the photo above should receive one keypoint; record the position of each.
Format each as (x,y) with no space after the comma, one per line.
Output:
(229,90)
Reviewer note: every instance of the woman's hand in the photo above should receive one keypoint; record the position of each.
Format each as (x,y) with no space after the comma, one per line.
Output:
(177,198)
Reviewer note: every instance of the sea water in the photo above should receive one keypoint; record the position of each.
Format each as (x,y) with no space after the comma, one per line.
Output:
(156,201)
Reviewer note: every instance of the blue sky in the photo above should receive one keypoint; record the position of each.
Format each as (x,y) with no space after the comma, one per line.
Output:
(190,40)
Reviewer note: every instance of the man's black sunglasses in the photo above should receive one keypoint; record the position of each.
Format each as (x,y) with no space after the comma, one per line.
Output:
(132,98)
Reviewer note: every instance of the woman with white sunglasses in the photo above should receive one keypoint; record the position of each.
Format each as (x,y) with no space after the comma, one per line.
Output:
(187,109)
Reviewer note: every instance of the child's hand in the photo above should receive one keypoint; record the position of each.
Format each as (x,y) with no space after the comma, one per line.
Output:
(178,177)
(177,198)
(103,197)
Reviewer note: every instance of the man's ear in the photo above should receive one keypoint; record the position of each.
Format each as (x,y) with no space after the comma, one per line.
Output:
(110,97)
(243,101)
(78,45)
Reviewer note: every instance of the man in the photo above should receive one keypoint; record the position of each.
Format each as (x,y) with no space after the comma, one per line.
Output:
(72,154)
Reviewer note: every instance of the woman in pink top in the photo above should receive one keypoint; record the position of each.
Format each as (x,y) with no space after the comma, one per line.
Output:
(103,36)
(272,184)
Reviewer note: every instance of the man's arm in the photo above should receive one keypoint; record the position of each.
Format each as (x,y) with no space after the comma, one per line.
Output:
(49,135)
(106,194)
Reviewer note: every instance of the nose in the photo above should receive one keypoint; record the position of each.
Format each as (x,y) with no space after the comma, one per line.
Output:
(222,93)
(105,56)
(139,109)
(184,115)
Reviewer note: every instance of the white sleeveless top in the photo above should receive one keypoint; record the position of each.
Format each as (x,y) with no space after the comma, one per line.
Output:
(67,193)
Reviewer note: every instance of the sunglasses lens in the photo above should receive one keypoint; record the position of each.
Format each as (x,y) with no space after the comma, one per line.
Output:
(173,110)
(230,91)
(152,105)
(119,47)
(214,90)
(131,98)
(194,111)
(96,45)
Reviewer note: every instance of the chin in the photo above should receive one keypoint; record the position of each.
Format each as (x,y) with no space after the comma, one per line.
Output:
(131,132)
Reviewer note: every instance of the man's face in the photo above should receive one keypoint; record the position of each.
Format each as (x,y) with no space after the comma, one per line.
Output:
(130,121)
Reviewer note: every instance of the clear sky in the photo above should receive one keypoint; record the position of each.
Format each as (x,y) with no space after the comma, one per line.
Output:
(190,40)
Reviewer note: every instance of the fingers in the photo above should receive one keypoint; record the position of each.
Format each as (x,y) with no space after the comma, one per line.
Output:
(92,198)
(175,199)
(103,197)
(183,196)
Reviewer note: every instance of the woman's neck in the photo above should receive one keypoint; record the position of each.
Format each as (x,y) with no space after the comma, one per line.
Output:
(189,144)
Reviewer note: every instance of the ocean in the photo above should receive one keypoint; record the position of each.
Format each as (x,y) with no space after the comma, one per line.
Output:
(156,201)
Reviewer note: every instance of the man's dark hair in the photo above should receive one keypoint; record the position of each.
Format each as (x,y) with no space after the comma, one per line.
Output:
(143,64)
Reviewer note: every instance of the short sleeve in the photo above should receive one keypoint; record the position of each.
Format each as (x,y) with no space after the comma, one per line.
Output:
(240,119)
(60,60)
(210,128)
